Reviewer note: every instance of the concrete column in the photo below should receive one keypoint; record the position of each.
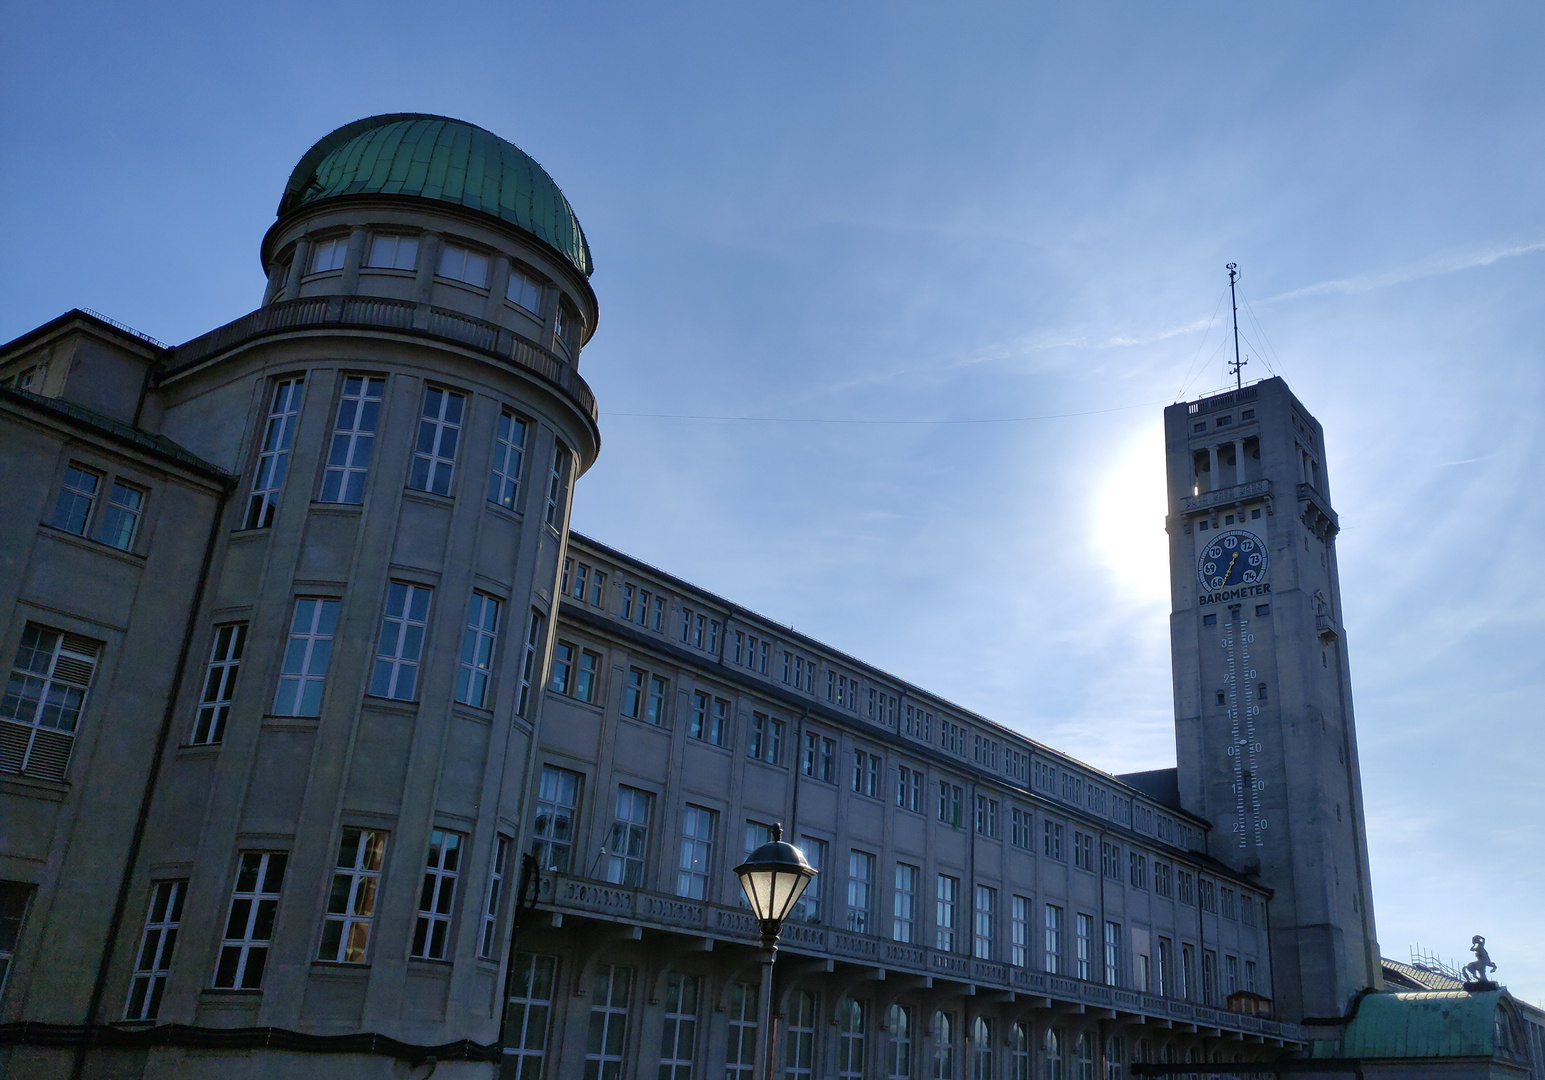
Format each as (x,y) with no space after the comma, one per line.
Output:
(428,263)
(498,284)
(353,259)
(550,301)
(1239,461)
(298,263)
(1212,476)
(275,288)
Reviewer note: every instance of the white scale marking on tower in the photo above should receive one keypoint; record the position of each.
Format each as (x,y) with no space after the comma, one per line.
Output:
(1243,747)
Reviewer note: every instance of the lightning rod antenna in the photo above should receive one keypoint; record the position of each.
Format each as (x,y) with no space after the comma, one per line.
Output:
(1233,276)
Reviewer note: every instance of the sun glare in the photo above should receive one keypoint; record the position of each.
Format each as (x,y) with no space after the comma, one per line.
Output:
(1129,514)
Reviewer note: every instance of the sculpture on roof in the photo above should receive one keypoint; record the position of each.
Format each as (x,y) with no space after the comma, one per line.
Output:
(1475,970)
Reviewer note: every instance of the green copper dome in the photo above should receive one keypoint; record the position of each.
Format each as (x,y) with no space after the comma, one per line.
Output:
(449,161)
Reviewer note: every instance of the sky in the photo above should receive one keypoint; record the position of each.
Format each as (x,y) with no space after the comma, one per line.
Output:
(893,295)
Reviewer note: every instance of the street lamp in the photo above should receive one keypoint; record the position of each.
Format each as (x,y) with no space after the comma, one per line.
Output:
(773,877)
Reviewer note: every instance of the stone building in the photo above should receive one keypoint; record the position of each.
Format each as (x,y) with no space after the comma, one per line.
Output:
(326,746)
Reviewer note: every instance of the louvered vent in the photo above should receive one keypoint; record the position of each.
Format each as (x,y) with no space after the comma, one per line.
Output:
(50,756)
(13,745)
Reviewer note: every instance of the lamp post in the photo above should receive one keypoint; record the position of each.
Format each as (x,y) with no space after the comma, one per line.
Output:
(773,877)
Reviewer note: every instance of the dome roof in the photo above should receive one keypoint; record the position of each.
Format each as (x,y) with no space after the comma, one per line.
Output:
(449,161)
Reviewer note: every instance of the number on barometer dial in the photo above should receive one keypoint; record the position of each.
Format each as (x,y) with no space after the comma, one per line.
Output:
(1244,748)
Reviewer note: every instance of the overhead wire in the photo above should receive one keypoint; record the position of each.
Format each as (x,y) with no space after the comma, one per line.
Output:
(1199,346)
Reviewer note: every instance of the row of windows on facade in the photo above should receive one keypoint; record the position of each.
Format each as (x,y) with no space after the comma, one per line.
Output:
(867,1045)
(458,262)
(624,859)
(1226,420)
(436,448)
(587,583)
(344,933)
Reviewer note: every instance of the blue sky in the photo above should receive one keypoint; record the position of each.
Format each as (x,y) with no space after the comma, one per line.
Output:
(951,212)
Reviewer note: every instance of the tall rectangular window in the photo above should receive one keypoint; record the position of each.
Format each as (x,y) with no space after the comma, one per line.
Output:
(44,696)
(587,675)
(477,650)
(354,436)
(388,252)
(606,1043)
(987,816)
(710,718)
(982,932)
(820,757)
(627,845)
(1166,967)
(532,981)
(400,644)
(946,899)
(13,909)
(1085,946)
(1052,835)
(156,943)
(1137,869)
(654,707)
(437,897)
(1083,851)
(808,909)
(306,654)
(697,829)
(509,456)
(439,437)
(1110,860)
(678,1034)
(852,1026)
(1053,940)
(1020,822)
(249,924)
(464,265)
(866,773)
(120,520)
(1112,954)
(1250,976)
(950,797)
(530,662)
(860,891)
(1188,971)
(558,491)
(77,495)
(981,1049)
(766,742)
(493,899)
(1209,977)
(904,904)
(351,903)
(744,1018)
(557,805)
(1230,976)
(909,789)
(799,1038)
(214,707)
(898,1047)
(562,679)
(1019,932)
(274,453)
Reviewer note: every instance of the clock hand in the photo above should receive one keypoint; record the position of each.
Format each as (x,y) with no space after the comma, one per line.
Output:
(1230,565)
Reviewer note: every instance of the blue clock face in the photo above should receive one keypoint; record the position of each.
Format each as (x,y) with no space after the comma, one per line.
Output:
(1233,558)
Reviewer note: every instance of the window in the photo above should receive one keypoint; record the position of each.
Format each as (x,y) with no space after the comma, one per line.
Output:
(557,499)
(392,252)
(274,453)
(1209,977)
(329,254)
(439,436)
(437,896)
(1208,892)
(946,897)
(627,845)
(898,1048)
(1162,882)
(532,978)
(678,1036)
(611,988)
(808,909)
(710,718)
(860,888)
(461,264)
(981,1049)
(351,903)
(1083,851)
(401,641)
(1230,976)
(1186,893)
(1141,980)
(43,701)
(524,291)
(952,737)
(1250,976)
(987,816)
(509,456)
(1188,971)
(477,651)
(120,521)
(1083,1056)
(498,871)
(1110,860)
(249,925)
(1019,1052)
(154,959)
(1052,836)
(950,797)
(1051,1054)
(1112,954)
(598,590)
(588,676)
(982,910)
(1247,910)
(530,662)
(557,805)
(13,909)
(1137,869)
(820,758)
(354,436)
(1020,822)
(1166,967)
(697,828)
(654,703)
(1053,942)
(744,1017)
(755,835)
(1085,946)
(866,773)
(766,742)
(943,1046)
(799,1037)
(563,668)
(77,495)
(909,789)
(904,904)
(1019,932)
(644,696)
(851,1025)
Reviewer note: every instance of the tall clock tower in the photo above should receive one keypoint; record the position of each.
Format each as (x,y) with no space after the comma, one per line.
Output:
(1265,743)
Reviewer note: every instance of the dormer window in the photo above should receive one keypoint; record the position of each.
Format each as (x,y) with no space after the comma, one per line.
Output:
(525,292)
(464,265)
(393,253)
(329,254)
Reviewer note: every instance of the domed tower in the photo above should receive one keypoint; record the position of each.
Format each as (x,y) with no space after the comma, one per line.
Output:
(406,419)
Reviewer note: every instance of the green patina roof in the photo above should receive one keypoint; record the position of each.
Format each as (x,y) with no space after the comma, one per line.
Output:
(1421,1024)
(450,161)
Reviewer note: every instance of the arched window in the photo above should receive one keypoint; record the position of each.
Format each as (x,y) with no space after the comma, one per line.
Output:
(1051,1055)
(943,1046)
(1083,1057)
(850,1039)
(981,1049)
(898,1048)
(1020,1068)
(1115,1057)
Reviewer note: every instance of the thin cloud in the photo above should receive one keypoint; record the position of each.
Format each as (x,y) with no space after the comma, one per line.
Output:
(1433,266)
